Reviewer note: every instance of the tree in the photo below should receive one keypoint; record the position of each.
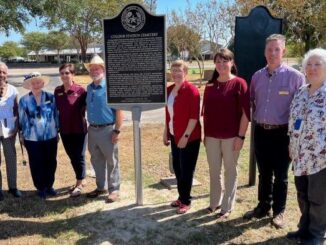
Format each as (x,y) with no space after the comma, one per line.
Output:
(181,39)
(304,21)
(57,40)
(216,26)
(9,49)
(16,13)
(151,5)
(82,19)
(34,41)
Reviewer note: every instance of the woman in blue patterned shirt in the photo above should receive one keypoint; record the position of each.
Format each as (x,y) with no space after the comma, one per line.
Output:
(38,121)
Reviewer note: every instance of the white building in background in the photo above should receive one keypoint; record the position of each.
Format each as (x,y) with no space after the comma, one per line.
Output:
(66,55)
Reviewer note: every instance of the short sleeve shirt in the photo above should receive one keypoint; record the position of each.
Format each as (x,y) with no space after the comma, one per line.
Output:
(7,118)
(71,106)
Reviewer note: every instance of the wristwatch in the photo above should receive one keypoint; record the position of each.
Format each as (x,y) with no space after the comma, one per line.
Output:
(241,137)
(116,131)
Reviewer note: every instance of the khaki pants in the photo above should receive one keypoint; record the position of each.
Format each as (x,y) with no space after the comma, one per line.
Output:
(219,150)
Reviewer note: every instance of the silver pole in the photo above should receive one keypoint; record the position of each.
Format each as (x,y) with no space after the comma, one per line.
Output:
(136,114)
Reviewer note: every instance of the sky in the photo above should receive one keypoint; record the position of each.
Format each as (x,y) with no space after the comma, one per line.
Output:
(163,7)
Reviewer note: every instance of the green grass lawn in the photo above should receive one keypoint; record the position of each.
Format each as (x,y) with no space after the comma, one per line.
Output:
(64,220)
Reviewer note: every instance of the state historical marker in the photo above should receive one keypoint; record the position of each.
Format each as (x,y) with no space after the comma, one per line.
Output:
(135,58)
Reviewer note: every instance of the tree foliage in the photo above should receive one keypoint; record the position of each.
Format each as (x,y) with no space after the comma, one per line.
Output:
(82,19)
(34,41)
(10,49)
(304,21)
(57,40)
(181,39)
(15,13)
(214,20)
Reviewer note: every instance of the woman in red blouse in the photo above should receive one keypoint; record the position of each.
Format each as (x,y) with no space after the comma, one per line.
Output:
(182,129)
(226,115)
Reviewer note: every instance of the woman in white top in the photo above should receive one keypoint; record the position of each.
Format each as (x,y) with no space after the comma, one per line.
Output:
(8,130)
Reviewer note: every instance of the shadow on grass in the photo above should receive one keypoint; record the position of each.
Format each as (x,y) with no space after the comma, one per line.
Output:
(30,205)
(136,225)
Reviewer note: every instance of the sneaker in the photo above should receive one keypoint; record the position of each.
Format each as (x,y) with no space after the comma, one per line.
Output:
(96,193)
(257,213)
(183,208)
(175,203)
(51,192)
(41,194)
(1,196)
(15,192)
(278,221)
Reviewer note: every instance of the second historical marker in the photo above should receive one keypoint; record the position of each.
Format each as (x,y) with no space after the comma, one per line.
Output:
(135,57)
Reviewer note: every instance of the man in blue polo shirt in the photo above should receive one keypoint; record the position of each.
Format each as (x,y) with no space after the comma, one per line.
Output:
(103,133)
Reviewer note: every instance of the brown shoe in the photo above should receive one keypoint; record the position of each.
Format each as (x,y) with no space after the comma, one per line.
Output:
(96,193)
(278,221)
(113,197)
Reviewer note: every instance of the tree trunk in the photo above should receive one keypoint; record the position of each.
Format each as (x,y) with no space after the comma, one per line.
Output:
(58,56)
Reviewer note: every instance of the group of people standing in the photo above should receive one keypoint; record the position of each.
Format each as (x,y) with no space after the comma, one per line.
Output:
(40,117)
(289,117)
(288,112)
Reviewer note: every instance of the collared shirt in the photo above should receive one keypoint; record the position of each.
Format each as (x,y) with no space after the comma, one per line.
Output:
(7,118)
(98,111)
(38,123)
(223,106)
(271,95)
(186,106)
(71,106)
(307,131)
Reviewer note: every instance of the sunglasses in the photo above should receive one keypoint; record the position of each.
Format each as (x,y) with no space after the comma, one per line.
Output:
(1,92)
(65,73)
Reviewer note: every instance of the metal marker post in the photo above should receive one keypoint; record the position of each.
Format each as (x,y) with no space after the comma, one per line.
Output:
(136,113)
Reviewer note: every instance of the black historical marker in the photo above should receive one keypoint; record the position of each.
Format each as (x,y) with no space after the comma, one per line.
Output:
(249,46)
(250,35)
(135,57)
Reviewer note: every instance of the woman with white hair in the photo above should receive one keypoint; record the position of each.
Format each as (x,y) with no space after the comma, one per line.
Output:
(307,131)
(39,125)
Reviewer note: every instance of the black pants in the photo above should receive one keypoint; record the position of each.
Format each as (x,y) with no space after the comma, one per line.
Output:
(272,153)
(74,145)
(184,163)
(311,194)
(42,157)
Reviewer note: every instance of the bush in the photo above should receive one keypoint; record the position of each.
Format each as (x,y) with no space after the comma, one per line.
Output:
(80,69)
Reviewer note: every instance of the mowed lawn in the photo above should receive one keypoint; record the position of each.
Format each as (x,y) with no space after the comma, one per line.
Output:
(64,220)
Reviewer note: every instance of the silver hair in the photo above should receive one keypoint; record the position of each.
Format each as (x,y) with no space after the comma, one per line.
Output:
(317,52)
(3,65)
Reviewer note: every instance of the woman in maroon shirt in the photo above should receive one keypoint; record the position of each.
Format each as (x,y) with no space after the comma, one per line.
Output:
(182,129)
(226,115)
(71,103)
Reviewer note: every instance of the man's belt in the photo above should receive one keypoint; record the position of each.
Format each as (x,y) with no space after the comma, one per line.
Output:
(271,126)
(101,125)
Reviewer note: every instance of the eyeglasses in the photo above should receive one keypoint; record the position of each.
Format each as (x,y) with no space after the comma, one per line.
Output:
(65,73)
